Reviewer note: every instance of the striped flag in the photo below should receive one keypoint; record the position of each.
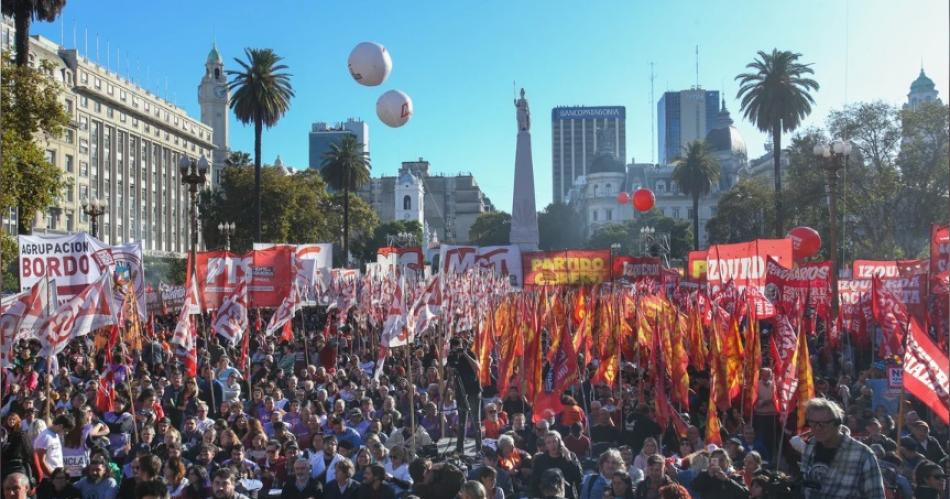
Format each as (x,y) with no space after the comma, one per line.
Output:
(91,309)
(231,321)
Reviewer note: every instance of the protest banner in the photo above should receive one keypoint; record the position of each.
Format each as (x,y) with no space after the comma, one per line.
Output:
(314,262)
(565,267)
(75,261)
(505,260)
(939,249)
(745,263)
(635,269)
(809,282)
(696,265)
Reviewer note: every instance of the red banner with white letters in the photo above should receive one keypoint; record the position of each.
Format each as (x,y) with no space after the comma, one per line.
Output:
(939,249)
(269,274)
(809,282)
(745,263)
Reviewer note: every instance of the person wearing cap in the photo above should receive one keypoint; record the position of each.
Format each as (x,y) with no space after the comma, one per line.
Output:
(929,446)
(357,421)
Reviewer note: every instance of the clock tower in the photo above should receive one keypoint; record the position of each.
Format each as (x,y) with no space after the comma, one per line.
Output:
(214,96)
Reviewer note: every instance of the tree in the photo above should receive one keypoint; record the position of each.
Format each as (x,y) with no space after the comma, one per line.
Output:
(922,163)
(775,98)
(30,112)
(492,228)
(559,227)
(696,173)
(744,213)
(262,94)
(628,234)
(23,13)
(346,168)
(381,234)
(238,158)
(298,208)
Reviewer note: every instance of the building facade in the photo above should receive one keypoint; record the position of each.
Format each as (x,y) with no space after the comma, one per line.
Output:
(683,117)
(594,196)
(322,135)
(921,90)
(446,206)
(574,135)
(121,146)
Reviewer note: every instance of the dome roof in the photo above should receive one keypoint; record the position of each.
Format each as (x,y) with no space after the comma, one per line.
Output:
(606,163)
(726,140)
(406,177)
(214,56)
(922,82)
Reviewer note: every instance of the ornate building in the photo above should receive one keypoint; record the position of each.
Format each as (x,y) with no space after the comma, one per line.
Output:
(214,97)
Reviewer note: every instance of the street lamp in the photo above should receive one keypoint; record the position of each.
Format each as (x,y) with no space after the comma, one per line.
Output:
(227,230)
(832,158)
(94,209)
(649,238)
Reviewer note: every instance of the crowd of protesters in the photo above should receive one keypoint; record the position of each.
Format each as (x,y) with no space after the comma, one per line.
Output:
(307,419)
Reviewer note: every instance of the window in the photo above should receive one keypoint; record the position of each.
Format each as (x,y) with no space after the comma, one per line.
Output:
(406,202)
(595,215)
(69,222)
(135,122)
(610,214)
(607,190)
(122,117)
(69,193)
(110,89)
(83,192)
(596,190)
(84,102)
(109,112)
(69,163)
(98,107)
(122,94)
(68,104)
(50,156)
(676,212)
(98,83)
(148,107)
(69,136)
(84,168)
(83,123)
(661,186)
(689,212)
(84,77)
(135,101)
(83,146)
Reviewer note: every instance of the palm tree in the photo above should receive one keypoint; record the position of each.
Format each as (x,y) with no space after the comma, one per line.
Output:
(346,168)
(23,13)
(695,173)
(261,95)
(775,98)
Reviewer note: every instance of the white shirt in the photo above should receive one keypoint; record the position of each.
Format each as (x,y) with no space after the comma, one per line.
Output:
(53,444)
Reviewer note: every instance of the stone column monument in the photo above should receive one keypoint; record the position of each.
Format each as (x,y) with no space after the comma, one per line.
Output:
(524,217)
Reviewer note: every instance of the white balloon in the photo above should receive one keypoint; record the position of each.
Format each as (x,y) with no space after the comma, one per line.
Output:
(394,108)
(369,64)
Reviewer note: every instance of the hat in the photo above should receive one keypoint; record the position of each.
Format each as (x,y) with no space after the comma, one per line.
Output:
(910,444)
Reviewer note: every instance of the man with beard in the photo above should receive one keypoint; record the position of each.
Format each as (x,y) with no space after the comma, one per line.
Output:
(96,483)
(374,486)
(303,485)
(223,485)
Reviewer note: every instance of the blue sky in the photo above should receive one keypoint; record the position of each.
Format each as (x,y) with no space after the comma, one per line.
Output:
(457,61)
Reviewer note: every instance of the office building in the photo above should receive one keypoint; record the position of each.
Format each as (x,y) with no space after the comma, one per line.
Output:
(323,134)
(574,135)
(683,117)
(445,205)
(122,145)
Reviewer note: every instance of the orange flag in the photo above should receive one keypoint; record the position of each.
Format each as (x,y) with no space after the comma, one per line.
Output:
(696,339)
(679,360)
(753,363)
(510,344)
(713,435)
(732,353)
(486,342)
(806,383)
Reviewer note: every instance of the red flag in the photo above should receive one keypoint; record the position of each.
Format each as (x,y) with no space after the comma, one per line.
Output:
(258,323)
(231,321)
(91,309)
(564,365)
(891,314)
(926,372)
(185,333)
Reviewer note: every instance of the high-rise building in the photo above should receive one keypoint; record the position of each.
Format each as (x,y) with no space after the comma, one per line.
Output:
(446,205)
(574,135)
(323,134)
(122,146)
(213,97)
(683,117)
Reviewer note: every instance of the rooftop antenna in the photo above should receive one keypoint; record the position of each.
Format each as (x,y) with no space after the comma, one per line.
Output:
(652,117)
(697,66)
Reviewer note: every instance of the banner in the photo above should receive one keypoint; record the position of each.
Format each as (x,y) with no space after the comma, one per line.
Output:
(854,306)
(926,372)
(810,283)
(76,261)
(391,258)
(887,269)
(314,263)
(696,265)
(939,249)
(268,273)
(565,267)
(167,299)
(273,274)
(636,269)
(90,309)
(745,263)
(505,260)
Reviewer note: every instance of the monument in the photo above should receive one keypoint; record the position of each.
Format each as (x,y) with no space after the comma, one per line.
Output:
(524,217)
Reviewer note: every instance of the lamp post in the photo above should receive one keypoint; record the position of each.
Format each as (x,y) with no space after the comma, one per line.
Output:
(832,158)
(227,230)
(94,209)
(649,238)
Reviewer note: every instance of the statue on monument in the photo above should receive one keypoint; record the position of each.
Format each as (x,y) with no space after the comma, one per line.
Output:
(524,115)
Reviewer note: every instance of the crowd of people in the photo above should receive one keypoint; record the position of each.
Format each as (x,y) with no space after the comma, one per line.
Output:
(308,419)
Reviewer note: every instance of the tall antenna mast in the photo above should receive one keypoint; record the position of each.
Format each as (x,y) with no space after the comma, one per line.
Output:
(652,117)
(697,66)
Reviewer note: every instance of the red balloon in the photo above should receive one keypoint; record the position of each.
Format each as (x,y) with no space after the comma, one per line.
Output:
(805,242)
(623,198)
(644,200)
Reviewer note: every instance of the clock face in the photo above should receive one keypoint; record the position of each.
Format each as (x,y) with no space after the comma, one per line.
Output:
(220,91)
